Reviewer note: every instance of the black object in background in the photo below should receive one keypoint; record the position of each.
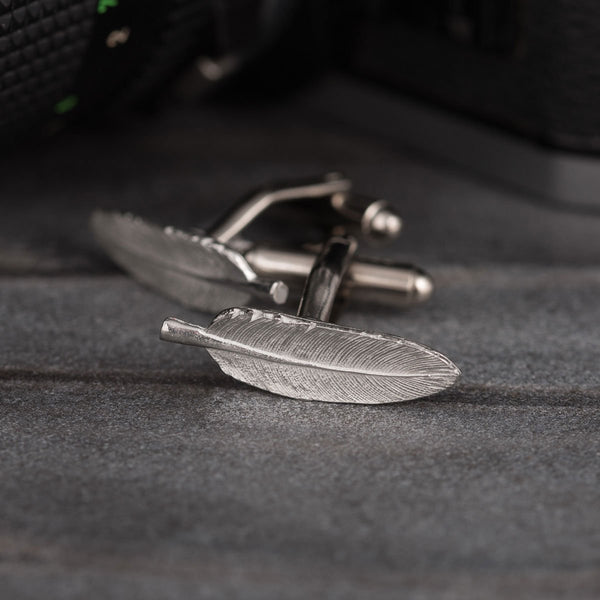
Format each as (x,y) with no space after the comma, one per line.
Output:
(60,58)
(530,66)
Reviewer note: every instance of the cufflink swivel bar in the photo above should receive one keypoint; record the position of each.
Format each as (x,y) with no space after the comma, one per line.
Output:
(368,280)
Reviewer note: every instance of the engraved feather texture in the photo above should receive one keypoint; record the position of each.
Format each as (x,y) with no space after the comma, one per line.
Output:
(190,268)
(313,360)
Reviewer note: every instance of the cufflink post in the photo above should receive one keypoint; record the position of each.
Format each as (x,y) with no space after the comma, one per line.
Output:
(325,278)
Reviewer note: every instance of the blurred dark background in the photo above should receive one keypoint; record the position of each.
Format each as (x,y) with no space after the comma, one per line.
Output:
(131,468)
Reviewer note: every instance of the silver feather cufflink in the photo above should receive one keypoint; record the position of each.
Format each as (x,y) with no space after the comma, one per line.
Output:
(213,270)
(307,358)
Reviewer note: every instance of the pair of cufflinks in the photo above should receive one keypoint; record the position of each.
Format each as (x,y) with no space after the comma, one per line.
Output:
(301,356)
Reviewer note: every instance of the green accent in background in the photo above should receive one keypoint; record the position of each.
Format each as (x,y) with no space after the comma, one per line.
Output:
(104,5)
(66,104)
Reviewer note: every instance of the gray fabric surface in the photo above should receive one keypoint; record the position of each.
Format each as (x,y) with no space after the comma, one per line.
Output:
(132,468)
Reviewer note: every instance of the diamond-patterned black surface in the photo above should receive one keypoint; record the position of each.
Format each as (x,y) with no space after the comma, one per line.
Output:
(42,45)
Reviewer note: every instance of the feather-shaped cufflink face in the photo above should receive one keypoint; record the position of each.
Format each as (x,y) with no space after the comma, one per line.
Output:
(193,269)
(307,358)
(313,360)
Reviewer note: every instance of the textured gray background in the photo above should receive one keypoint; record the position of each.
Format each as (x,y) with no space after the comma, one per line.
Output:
(132,468)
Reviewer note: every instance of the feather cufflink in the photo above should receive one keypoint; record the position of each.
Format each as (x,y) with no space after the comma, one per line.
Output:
(304,357)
